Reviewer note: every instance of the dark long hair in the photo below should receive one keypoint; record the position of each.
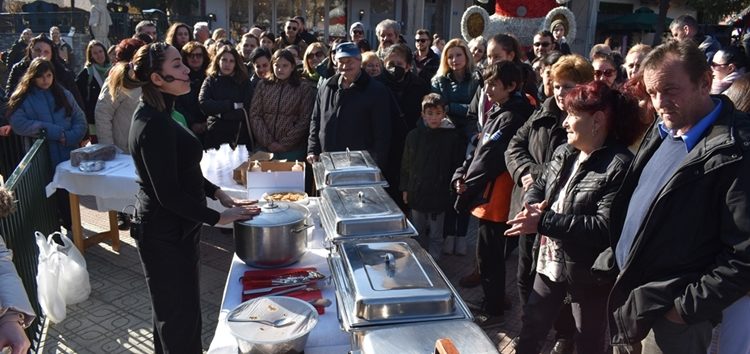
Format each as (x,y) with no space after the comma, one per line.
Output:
(288,56)
(240,71)
(146,61)
(172,33)
(37,68)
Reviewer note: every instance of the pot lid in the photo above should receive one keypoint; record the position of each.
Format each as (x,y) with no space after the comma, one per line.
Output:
(278,214)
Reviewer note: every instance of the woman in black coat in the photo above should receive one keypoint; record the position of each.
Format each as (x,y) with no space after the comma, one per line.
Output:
(568,206)
(91,79)
(224,98)
(195,57)
(172,196)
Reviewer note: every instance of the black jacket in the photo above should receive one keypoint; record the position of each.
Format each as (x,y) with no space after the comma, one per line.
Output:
(428,66)
(17,52)
(430,158)
(487,162)
(358,118)
(186,104)
(89,89)
(226,125)
(692,250)
(532,147)
(583,226)
(167,159)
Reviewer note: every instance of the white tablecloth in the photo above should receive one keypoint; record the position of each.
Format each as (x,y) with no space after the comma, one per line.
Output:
(326,338)
(115,186)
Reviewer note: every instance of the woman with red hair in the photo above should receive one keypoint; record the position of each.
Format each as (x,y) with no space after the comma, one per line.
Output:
(568,207)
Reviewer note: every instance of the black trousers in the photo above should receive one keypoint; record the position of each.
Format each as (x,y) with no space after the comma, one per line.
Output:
(589,310)
(491,260)
(170,255)
(565,326)
(455,224)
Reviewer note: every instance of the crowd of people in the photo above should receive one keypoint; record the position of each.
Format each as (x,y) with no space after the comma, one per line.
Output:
(621,177)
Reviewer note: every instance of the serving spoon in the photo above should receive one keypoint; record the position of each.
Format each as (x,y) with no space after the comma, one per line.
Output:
(282,322)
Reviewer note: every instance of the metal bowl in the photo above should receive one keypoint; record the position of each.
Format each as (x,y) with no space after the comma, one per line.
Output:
(256,338)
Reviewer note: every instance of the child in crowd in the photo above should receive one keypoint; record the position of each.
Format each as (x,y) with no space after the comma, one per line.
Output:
(432,152)
(484,185)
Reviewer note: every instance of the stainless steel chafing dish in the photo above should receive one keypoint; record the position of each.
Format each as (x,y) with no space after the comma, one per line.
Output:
(347,168)
(421,338)
(362,212)
(389,282)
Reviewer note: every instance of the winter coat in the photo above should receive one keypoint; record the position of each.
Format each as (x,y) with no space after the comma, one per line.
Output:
(89,87)
(113,117)
(357,118)
(583,224)
(691,251)
(427,66)
(457,94)
(532,146)
(37,112)
(709,46)
(17,52)
(280,113)
(430,158)
(226,124)
(186,104)
(481,169)
(12,293)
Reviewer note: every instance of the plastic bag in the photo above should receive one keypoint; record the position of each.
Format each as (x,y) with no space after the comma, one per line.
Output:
(62,278)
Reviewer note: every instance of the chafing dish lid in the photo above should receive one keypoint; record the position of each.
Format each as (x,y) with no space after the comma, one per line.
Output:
(362,210)
(341,168)
(421,337)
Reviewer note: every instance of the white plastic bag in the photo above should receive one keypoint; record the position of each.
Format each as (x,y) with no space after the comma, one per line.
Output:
(62,278)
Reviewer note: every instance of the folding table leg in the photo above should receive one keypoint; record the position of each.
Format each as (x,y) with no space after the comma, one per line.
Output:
(77,229)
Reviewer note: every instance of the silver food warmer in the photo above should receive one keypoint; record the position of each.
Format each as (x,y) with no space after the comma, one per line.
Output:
(347,168)
(387,282)
(362,212)
(465,335)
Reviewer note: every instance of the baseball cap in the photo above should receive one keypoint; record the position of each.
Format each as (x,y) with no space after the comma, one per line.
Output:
(347,49)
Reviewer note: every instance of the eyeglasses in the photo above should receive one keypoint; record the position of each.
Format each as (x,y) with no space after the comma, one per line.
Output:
(542,44)
(358,32)
(714,65)
(421,40)
(198,55)
(605,73)
(291,28)
(318,54)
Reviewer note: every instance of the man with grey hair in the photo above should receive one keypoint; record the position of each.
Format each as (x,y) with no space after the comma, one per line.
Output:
(679,223)
(146,27)
(686,27)
(201,32)
(387,32)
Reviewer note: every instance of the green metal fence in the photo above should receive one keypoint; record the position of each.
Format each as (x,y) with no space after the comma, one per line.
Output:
(35,212)
(12,150)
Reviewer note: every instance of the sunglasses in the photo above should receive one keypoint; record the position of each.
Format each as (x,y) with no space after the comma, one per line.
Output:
(421,40)
(291,28)
(714,65)
(605,73)
(198,55)
(542,44)
(358,32)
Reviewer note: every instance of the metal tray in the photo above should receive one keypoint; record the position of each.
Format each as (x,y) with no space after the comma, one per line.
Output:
(347,168)
(362,211)
(389,282)
(421,338)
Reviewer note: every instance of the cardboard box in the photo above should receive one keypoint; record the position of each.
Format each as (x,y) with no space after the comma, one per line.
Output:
(276,176)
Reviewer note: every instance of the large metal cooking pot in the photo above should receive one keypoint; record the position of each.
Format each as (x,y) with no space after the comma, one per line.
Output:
(277,237)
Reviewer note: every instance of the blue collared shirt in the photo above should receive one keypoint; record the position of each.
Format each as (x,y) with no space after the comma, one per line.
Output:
(695,133)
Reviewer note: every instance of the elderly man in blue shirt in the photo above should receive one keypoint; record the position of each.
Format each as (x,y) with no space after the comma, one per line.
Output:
(681,221)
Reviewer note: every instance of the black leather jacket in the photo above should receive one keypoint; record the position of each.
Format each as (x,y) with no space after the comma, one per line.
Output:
(692,251)
(583,227)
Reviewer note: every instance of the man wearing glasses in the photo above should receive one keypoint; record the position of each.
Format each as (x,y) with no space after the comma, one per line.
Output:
(357,32)
(542,45)
(426,62)
(289,36)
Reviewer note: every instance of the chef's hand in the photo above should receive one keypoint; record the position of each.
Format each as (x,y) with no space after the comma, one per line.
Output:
(229,202)
(312,158)
(244,212)
(527,221)
(13,336)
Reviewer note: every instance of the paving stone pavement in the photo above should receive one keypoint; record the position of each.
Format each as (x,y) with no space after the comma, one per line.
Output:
(117,316)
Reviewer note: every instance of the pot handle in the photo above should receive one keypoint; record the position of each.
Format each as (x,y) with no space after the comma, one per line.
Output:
(303,228)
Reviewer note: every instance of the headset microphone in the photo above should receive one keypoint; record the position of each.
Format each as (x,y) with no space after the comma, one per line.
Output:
(170,78)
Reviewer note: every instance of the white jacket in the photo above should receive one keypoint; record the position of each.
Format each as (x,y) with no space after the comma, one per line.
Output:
(12,294)
(113,118)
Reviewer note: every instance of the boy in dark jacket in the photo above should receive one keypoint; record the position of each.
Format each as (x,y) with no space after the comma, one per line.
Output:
(431,154)
(484,185)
